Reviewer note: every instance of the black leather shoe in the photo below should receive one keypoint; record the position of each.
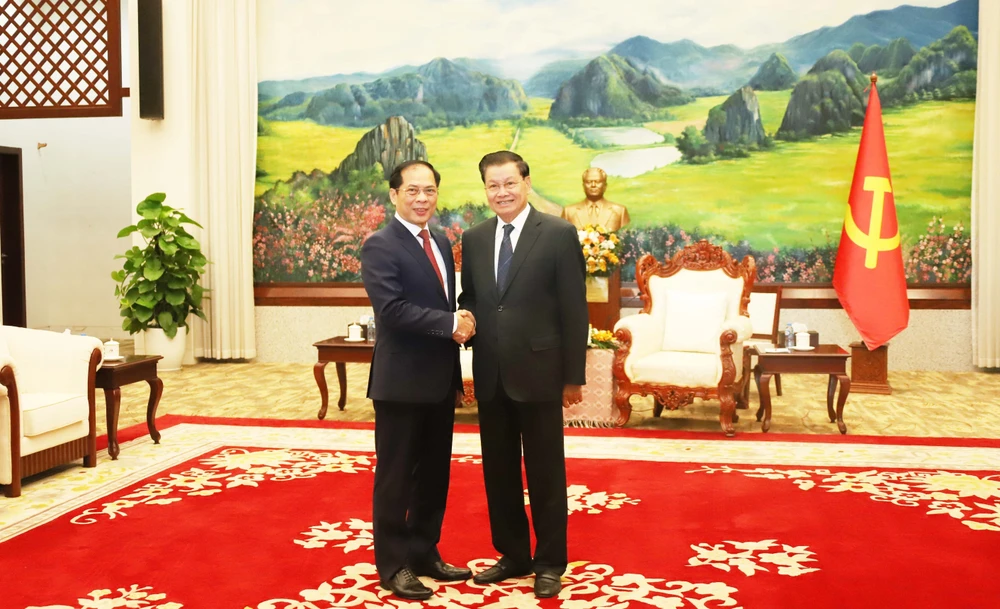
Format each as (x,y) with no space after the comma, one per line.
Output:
(442,571)
(405,584)
(547,585)
(504,569)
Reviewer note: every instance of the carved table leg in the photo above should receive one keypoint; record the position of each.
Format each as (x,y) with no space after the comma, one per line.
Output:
(155,391)
(831,390)
(765,400)
(845,389)
(342,378)
(112,400)
(318,372)
(657,406)
(756,379)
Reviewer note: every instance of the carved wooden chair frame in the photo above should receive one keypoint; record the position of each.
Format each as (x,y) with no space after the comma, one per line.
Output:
(701,256)
(29,465)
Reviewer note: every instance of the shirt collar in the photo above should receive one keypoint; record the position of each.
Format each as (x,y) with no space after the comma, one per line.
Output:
(413,228)
(518,220)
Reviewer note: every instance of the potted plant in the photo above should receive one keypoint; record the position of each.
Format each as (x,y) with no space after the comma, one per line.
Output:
(158,284)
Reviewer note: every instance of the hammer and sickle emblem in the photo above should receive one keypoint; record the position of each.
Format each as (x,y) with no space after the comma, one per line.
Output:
(872,242)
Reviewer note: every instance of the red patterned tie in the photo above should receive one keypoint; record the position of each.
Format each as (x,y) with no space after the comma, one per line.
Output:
(426,236)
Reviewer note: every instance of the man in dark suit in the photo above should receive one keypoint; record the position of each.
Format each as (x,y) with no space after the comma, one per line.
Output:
(415,383)
(523,278)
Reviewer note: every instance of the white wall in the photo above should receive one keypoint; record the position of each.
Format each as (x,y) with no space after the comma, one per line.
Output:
(76,198)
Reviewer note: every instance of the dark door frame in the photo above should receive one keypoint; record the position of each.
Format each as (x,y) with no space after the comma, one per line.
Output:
(15,309)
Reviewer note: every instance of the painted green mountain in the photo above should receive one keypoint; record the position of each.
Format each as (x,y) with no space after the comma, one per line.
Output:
(774,75)
(437,94)
(919,25)
(614,87)
(546,82)
(829,99)
(886,61)
(945,69)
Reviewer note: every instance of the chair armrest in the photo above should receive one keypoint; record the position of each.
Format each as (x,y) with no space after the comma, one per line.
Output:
(646,337)
(50,361)
(741,325)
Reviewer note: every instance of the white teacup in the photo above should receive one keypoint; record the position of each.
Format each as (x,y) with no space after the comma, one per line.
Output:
(801,340)
(111,349)
(354,332)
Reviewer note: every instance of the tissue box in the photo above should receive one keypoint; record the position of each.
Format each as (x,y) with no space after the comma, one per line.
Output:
(813,338)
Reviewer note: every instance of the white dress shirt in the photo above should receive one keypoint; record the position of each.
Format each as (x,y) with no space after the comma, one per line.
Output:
(415,231)
(518,223)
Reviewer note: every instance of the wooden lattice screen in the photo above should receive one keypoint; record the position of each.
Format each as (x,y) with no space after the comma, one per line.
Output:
(60,58)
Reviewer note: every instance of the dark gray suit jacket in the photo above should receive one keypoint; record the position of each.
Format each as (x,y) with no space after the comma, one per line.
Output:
(415,358)
(533,336)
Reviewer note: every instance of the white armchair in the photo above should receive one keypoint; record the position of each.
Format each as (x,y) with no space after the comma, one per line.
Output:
(681,345)
(47,407)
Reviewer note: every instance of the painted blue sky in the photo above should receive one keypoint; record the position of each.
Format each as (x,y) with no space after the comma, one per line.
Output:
(301,38)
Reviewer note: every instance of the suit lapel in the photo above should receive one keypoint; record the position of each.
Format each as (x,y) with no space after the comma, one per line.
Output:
(412,246)
(529,234)
(449,264)
(489,264)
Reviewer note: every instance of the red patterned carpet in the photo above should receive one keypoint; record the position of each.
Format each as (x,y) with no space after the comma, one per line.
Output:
(277,516)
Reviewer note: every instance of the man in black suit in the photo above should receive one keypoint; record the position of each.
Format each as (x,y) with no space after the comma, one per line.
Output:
(415,383)
(523,278)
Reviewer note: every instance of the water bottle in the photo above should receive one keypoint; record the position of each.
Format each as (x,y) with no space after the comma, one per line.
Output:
(371,329)
(789,336)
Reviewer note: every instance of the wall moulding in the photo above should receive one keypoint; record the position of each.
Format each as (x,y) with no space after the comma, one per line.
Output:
(795,296)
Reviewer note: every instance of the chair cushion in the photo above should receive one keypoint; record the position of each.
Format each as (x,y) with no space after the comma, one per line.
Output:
(45,412)
(679,368)
(692,321)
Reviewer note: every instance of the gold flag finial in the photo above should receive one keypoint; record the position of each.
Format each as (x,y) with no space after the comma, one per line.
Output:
(874,78)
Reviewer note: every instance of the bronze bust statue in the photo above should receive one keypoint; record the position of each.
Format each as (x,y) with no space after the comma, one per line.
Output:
(595,209)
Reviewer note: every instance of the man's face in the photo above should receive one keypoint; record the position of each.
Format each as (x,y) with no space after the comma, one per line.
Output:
(594,184)
(506,191)
(416,198)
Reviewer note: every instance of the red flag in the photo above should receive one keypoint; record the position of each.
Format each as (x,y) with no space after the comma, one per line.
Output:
(868,275)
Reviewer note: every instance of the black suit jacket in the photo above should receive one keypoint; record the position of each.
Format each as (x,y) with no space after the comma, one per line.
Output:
(415,358)
(533,336)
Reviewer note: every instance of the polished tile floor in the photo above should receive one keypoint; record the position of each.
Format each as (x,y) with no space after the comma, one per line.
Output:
(934,404)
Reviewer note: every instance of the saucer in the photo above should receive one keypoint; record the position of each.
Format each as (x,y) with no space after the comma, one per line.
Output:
(119,358)
(354,340)
(810,348)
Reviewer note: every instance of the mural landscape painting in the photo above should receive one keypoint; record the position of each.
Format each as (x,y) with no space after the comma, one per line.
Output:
(753,148)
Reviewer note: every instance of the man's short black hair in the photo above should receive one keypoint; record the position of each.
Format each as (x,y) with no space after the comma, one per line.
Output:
(502,157)
(396,179)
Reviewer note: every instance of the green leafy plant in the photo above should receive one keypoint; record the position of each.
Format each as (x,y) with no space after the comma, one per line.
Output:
(158,284)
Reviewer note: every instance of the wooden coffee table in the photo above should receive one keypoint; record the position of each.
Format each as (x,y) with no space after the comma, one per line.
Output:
(113,376)
(340,351)
(824,359)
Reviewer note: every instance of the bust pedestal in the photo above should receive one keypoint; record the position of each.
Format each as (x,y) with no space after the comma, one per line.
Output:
(870,369)
(604,300)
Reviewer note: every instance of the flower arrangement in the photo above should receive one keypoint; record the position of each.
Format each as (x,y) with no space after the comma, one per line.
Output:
(601,339)
(599,250)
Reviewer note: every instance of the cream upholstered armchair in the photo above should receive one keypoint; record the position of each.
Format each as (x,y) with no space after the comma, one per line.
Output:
(688,340)
(47,408)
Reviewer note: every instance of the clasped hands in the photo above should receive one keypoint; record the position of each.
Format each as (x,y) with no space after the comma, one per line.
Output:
(466,327)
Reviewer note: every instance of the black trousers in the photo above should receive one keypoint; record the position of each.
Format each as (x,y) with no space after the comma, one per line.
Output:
(412,471)
(505,426)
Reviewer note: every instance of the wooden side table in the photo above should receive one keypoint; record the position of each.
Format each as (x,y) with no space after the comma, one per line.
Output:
(824,359)
(113,376)
(340,351)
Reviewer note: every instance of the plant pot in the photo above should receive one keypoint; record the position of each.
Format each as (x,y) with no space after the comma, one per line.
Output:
(172,349)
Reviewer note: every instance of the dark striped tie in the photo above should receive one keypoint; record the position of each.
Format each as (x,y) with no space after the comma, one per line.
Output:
(506,255)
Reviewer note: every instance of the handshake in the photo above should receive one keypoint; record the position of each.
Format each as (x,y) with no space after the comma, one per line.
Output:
(466,327)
